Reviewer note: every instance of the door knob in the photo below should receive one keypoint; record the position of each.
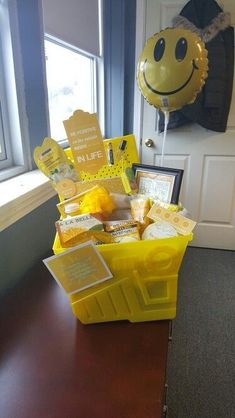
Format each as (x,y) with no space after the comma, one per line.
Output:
(149,142)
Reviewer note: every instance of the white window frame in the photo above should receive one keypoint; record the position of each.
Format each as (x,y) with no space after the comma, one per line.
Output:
(4,153)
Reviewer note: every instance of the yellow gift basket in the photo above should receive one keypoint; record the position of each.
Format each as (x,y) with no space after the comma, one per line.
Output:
(144,283)
(145,273)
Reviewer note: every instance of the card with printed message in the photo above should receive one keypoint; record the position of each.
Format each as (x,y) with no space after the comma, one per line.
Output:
(86,142)
(78,268)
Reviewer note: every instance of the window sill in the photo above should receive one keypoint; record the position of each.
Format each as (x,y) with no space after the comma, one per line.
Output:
(22,194)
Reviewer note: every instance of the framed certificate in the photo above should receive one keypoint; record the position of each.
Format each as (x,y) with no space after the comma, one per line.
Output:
(161,183)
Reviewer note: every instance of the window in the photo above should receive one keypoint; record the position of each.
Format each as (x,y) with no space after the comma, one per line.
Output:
(73,75)
(71,84)
(13,154)
(74,63)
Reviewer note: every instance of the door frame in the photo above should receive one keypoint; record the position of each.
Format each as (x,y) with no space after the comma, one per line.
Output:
(140,34)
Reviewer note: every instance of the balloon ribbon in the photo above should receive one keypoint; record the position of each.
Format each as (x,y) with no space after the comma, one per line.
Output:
(166,121)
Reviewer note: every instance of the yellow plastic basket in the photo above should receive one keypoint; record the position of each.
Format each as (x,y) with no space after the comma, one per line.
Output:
(144,283)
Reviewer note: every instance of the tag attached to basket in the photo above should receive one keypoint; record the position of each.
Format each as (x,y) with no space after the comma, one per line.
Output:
(78,268)
(86,141)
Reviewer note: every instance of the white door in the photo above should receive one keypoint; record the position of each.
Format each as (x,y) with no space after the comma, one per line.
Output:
(207,157)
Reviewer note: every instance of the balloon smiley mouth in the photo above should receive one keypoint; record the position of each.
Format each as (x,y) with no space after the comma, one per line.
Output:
(166,93)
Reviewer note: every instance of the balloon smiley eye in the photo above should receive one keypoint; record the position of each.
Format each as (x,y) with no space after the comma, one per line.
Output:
(181,49)
(159,49)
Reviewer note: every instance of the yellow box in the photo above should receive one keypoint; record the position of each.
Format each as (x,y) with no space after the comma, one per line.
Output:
(144,283)
(113,177)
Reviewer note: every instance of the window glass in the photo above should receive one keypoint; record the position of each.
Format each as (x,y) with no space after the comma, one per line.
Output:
(70,83)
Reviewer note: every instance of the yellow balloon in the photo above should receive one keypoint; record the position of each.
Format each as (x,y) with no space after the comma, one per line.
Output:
(172,68)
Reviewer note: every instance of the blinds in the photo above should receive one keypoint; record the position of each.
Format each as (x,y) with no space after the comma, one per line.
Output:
(73,21)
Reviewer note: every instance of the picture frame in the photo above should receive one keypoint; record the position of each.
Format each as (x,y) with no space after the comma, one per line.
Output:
(161,183)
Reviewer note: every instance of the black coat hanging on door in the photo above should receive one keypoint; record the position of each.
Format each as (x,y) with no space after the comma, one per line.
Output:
(211,107)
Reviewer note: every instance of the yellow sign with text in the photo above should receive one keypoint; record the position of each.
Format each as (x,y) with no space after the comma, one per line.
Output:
(86,141)
(78,268)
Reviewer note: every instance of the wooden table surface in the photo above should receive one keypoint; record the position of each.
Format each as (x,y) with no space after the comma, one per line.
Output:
(52,366)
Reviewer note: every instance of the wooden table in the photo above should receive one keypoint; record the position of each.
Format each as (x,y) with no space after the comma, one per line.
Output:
(52,366)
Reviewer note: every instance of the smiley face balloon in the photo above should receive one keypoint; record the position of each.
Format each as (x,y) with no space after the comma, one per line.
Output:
(172,68)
